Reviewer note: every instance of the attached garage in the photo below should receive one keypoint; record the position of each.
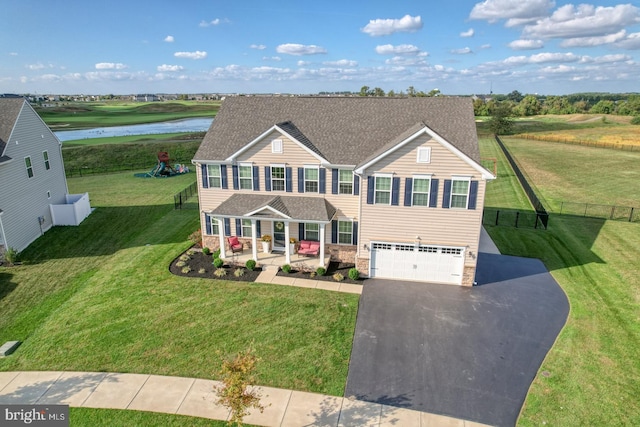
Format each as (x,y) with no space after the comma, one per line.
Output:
(424,263)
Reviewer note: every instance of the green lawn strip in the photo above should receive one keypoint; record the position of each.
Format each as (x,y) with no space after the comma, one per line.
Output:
(572,173)
(89,417)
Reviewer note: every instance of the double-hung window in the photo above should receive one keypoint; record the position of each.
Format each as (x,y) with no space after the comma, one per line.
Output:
(311,177)
(277,178)
(214,176)
(345,181)
(245,175)
(459,192)
(345,232)
(45,156)
(420,191)
(246,228)
(27,163)
(212,225)
(382,190)
(311,231)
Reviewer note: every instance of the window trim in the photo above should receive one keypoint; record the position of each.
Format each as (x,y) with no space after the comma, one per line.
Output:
(345,220)
(317,231)
(466,179)
(246,227)
(47,162)
(310,181)
(375,188)
(241,178)
(284,176)
(345,182)
(426,150)
(29,166)
(413,189)
(277,146)
(215,226)
(209,176)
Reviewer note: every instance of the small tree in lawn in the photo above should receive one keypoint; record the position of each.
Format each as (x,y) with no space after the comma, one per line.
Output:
(500,122)
(235,393)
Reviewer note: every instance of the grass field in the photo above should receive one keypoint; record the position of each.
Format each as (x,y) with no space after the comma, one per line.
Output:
(99,297)
(88,114)
(592,374)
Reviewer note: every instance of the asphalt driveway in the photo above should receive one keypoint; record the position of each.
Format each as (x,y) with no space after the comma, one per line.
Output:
(463,352)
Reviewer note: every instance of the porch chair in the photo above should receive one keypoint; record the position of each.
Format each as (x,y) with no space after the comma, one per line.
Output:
(234,244)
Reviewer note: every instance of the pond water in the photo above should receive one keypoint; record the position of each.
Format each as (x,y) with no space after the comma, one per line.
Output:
(175,126)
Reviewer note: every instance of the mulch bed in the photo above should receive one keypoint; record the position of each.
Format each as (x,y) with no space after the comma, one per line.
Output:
(334,267)
(201,265)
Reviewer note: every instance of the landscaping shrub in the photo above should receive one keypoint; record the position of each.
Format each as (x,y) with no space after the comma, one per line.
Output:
(206,251)
(180,264)
(184,257)
(354,274)
(201,270)
(216,254)
(321,271)
(338,277)
(221,272)
(196,237)
(186,269)
(312,274)
(11,256)
(218,262)
(250,264)
(286,268)
(238,272)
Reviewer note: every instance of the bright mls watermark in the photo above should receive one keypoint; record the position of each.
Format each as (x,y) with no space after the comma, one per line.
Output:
(34,415)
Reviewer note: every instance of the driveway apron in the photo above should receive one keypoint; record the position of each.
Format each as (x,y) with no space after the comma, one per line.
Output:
(469,353)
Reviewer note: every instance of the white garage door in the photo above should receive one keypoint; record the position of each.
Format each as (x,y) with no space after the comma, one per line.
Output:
(423,263)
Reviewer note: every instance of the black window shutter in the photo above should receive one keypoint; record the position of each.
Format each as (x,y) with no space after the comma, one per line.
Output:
(288,178)
(207,220)
(446,194)
(433,194)
(334,231)
(227,226)
(334,181)
(356,185)
(258,232)
(238,227)
(267,178)
(205,177)
(395,191)
(301,235)
(223,177)
(256,179)
(323,180)
(234,172)
(300,180)
(370,189)
(355,232)
(473,194)
(408,188)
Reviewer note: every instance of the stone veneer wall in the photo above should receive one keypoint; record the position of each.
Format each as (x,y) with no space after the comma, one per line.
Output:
(468,275)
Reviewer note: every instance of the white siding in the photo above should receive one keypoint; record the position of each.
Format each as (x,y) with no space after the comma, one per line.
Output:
(25,199)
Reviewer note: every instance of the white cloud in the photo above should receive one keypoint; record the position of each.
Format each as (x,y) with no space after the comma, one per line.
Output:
(257,46)
(271,58)
(463,51)
(406,61)
(584,20)
(191,55)
(594,41)
(300,49)
(632,42)
(38,66)
(526,44)
(485,46)
(342,63)
(13,53)
(169,39)
(468,33)
(110,66)
(384,27)
(402,49)
(171,68)
(303,63)
(517,11)
(213,22)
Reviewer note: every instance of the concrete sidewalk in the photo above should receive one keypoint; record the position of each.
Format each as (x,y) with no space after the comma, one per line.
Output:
(195,397)
(269,275)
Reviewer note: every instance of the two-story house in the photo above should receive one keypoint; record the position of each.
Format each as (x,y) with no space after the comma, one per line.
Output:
(393,185)
(33,186)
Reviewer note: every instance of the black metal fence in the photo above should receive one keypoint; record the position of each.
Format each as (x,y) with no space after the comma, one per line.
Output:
(101,168)
(513,218)
(180,199)
(541,212)
(619,213)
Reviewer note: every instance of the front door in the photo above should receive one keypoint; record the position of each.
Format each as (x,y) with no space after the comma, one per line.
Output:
(278,236)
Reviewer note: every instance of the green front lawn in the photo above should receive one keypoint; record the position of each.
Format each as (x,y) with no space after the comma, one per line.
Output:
(99,297)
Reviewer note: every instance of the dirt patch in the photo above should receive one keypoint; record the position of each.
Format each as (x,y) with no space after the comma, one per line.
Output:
(194,263)
(333,268)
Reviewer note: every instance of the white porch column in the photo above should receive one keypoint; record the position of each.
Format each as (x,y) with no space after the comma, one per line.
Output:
(223,255)
(254,240)
(321,263)
(286,242)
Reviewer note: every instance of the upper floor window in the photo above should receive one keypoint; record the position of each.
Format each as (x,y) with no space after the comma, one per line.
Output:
(277,178)
(424,155)
(276,146)
(245,173)
(420,191)
(45,155)
(311,177)
(382,190)
(214,176)
(27,162)
(345,181)
(459,192)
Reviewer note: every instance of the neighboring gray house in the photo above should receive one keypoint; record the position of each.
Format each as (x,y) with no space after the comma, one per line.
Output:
(33,186)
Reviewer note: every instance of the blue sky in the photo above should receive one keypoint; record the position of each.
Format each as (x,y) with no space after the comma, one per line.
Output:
(191,46)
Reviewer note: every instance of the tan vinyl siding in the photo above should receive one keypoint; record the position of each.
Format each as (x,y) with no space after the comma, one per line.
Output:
(292,152)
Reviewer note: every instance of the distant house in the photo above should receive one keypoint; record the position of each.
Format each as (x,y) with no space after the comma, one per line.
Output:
(147,97)
(33,186)
(394,186)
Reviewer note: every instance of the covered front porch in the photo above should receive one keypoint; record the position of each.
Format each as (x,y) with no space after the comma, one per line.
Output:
(277,259)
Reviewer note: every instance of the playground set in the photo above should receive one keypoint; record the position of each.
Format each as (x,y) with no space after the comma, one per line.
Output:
(164,169)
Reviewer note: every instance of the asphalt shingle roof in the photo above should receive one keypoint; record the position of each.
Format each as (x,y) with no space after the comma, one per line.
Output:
(295,207)
(9,110)
(345,130)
